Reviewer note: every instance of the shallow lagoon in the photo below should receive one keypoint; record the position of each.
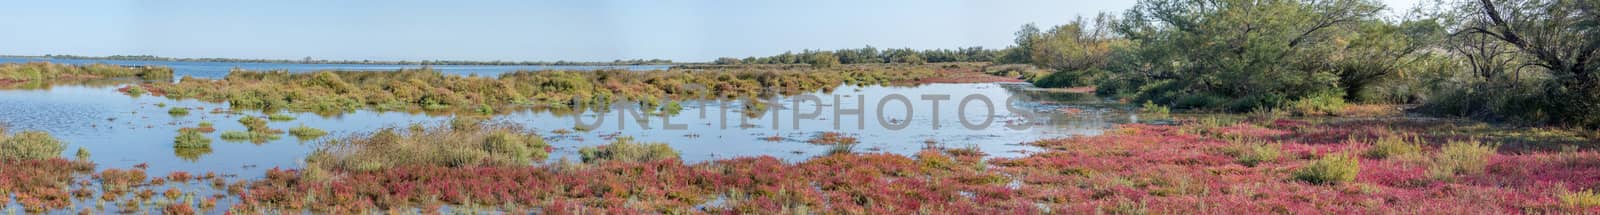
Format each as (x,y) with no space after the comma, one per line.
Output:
(122,131)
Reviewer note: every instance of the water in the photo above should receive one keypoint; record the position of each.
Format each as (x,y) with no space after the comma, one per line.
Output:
(218,70)
(122,131)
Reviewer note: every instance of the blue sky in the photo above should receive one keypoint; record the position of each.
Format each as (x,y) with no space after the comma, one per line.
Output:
(518,30)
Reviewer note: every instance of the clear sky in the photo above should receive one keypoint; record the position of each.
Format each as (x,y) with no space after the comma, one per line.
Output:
(519,30)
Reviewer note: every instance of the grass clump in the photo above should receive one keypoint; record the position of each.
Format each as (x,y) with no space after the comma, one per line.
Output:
(306,132)
(626,150)
(1393,146)
(484,145)
(1460,157)
(188,138)
(30,145)
(1579,199)
(832,138)
(1254,153)
(1330,169)
(44,71)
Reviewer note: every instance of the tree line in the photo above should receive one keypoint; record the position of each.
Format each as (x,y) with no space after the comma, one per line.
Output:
(1525,61)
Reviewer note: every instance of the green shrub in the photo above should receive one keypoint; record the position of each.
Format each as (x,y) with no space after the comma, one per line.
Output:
(1392,146)
(1330,169)
(30,145)
(192,139)
(1460,157)
(280,117)
(624,149)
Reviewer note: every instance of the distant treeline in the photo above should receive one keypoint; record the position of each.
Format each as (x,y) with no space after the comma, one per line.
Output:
(309,60)
(870,54)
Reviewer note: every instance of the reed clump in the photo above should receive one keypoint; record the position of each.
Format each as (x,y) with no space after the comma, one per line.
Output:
(440,145)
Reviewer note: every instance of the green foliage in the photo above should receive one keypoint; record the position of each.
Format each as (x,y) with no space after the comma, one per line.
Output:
(1330,169)
(192,139)
(1325,103)
(29,145)
(625,150)
(1394,146)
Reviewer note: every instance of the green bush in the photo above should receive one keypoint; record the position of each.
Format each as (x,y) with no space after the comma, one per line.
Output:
(30,145)
(624,149)
(1330,169)
(280,117)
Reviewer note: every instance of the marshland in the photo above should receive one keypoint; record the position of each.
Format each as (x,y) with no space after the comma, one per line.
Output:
(1170,106)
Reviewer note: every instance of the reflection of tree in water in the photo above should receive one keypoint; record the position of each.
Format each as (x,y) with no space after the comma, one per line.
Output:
(191,154)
